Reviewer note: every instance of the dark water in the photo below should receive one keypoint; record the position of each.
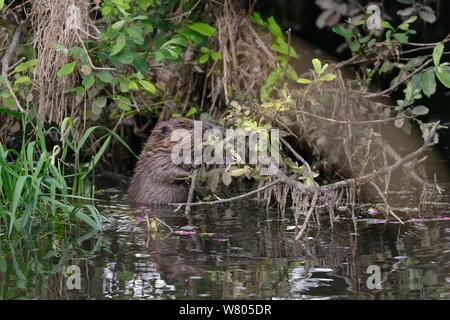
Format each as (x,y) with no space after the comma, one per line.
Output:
(235,251)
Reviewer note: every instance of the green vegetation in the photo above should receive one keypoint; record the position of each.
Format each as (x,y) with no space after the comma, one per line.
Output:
(112,68)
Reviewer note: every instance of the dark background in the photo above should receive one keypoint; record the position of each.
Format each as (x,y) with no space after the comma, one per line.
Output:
(301,15)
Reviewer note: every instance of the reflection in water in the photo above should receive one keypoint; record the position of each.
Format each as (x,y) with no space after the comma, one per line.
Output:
(233,252)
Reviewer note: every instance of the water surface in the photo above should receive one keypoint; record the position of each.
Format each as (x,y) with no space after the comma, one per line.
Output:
(234,251)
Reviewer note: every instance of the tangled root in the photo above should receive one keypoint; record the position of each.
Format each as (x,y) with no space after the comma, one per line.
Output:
(56,23)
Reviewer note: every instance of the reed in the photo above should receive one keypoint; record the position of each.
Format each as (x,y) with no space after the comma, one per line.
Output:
(48,182)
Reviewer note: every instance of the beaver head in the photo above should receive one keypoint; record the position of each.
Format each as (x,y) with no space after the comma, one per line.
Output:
(157,178)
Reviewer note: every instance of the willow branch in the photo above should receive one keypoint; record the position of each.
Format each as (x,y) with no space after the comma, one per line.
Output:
(200,203)
(352,122)
(428,142)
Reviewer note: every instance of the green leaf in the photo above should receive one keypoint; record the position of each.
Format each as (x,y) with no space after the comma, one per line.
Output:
(124,103)
(193,110)
(203,28)
(215,55)
(437,53)
(386,67)
(386,25)
(86,219)
(105,76)
(428,82)
(120,44)
(327,77)
(66,69)
(203,58)
(24,66)
(99,102)
(274,28)
(132,85)
(136,35)
(401,37)
(22,80)
(354,46)
(317,65)
(88,81)
(226,178)
(79,90)
(2,4)
(443,76)
(404,26)
(123,85)
(282,47)
(303,80)
(147,85)
(271,79)
(257,19)
(237,172)
(420,110)
(124,57)
(411,20)
(180,41)
(118,25)
(342,31)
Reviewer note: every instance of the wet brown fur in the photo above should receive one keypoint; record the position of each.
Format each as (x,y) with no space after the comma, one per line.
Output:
(156,179)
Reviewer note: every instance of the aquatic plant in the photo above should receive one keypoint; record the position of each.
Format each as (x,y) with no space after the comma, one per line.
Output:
(47,180)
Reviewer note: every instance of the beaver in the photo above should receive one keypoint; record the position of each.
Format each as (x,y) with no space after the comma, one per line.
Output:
(157,179)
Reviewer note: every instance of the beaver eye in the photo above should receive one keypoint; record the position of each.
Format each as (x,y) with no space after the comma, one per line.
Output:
(164,131)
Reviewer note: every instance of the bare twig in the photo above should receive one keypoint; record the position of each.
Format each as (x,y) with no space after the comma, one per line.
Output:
(308,215)
(187,209)
(228,199)
(87,54)
(351,122)
(5,65)
(299,157)
(391,152)
(429,141)
(386,203)
(414,44)
(388,90)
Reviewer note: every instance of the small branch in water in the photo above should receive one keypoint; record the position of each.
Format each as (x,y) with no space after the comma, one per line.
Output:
(308,215)
(228,199)
(386,203)
(187,209)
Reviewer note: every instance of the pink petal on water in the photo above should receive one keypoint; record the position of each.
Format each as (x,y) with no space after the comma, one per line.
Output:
(139,218)
(444,218)
(373,211)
